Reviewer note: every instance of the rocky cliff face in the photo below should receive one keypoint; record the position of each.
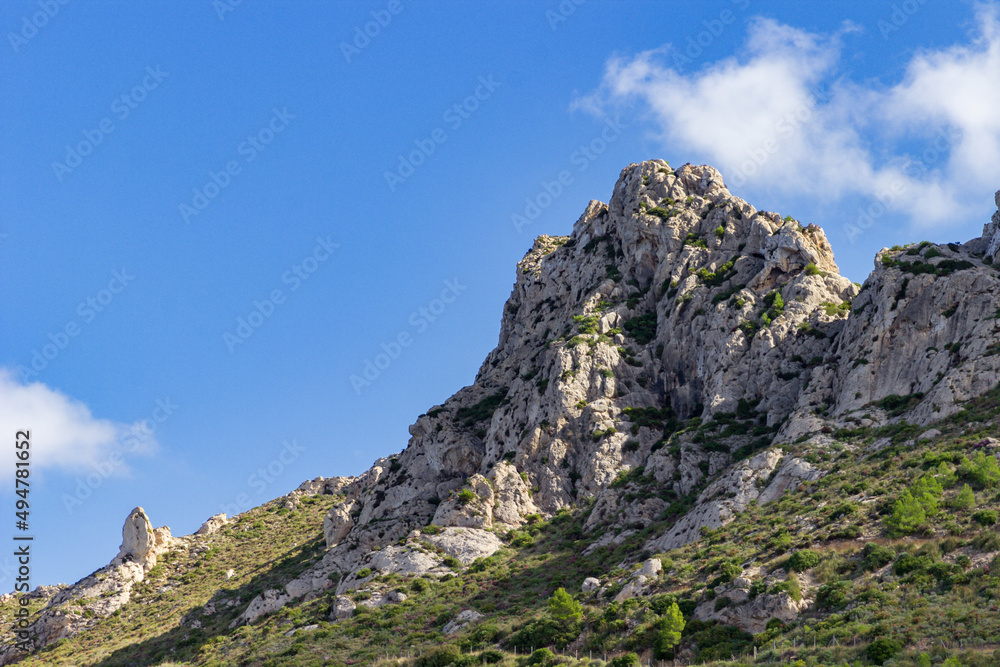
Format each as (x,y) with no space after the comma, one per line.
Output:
(675,330)
(675,340)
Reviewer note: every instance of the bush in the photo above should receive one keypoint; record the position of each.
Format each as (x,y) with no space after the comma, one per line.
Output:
(722,602)
(833,595)
(985,517)
(877,556)
(441,656)
(520,538)
(775,307)
(729,572)
(803,560)
(907,563)
(363,572)
(790,586)
(466,496)
(545,632)
(965,500)
(541,656)
(987,540)
(491,657)
(717,641)
(642,328)
(881,650)
(627,660)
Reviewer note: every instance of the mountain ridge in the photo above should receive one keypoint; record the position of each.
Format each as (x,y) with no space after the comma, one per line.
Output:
(675,307)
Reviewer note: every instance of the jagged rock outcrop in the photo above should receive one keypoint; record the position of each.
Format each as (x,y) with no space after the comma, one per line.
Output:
(753,614)
(463,619)
(338,523)
(140,542)
(324,486)
(343,607)
(269,601)
(212,524)
(73,609)
(923,327)
(725,497)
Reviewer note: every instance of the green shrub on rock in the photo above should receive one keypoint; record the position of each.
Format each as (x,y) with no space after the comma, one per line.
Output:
(803,560)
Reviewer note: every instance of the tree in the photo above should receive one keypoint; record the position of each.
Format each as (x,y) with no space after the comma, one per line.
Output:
(945,474)
(965,500)
(982,469)
(927,491)
(669,629)
(563,607)
(907,515)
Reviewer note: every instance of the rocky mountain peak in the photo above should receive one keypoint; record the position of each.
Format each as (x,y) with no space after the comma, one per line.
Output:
(677,339)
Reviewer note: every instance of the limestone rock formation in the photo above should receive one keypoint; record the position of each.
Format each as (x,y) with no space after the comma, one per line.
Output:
(463,619)
(212,524)
(140,542)
(73,609)
(674,301)
(343,607)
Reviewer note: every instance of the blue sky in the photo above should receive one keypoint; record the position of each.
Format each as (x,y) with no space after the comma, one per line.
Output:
(214,214)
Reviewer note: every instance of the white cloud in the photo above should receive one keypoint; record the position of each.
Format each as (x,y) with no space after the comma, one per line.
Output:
(784,116)
(64,433)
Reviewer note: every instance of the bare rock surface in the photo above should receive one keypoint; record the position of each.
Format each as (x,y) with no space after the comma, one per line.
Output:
(463,619)
(212,524)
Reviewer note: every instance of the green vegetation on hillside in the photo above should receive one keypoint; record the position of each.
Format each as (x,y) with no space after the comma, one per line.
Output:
(894,552)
